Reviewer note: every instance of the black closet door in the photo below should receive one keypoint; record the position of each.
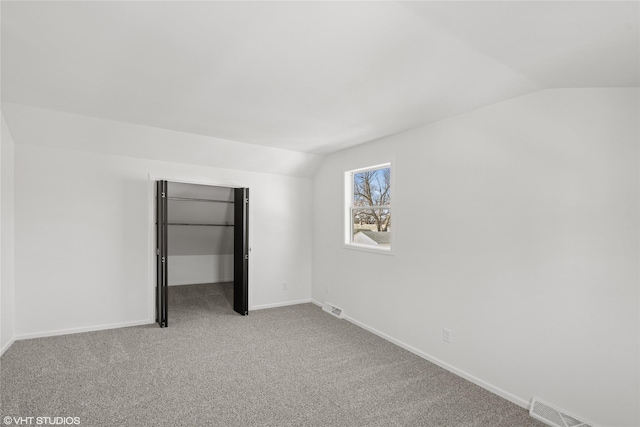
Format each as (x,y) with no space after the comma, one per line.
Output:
(241,251)
(161,253)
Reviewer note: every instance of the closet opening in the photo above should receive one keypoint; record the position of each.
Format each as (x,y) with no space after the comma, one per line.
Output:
(202,251)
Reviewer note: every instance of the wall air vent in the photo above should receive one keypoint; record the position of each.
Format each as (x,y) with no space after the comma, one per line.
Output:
(555,417)
(332,309)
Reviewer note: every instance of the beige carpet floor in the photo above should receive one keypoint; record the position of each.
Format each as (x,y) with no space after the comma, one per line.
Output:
(289,366)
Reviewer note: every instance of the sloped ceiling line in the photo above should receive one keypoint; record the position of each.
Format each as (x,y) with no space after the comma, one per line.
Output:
(313,77)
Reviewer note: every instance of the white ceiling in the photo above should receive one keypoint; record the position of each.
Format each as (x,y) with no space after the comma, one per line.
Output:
(307,76)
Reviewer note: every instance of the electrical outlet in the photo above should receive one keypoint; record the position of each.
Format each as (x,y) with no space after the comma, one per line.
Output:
(446,335)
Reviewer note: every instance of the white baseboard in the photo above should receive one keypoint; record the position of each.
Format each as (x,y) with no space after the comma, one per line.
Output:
(279,304)
(80,330)
(459,372)
(6,346)
(493,389)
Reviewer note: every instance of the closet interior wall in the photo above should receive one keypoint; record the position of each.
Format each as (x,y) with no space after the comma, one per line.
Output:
(200,234)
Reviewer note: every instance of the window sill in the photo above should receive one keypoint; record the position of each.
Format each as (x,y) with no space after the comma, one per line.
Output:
(367,248)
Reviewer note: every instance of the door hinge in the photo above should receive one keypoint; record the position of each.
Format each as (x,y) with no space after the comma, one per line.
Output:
(246,200)
(163,195)
(158,251)
(162,259)
(246,257)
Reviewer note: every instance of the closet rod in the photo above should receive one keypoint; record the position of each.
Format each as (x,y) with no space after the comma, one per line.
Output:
(200,225)
(189,199)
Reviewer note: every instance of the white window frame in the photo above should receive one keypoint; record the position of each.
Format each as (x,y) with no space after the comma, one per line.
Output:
(349,206)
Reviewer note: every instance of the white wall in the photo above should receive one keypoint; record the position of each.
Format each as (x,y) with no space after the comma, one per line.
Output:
(83,242)
(200,254)
(7,289)
(192,269)
(517,227)
(74,132)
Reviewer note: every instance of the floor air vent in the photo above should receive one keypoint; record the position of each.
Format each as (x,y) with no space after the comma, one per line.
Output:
(332,309)
(554,417)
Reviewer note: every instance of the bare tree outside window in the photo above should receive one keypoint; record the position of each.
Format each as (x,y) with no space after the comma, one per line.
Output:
(370,209)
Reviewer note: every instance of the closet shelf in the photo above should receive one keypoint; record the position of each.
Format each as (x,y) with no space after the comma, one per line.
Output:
(189,199)
(200,225)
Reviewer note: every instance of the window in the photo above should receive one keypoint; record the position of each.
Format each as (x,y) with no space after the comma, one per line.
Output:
(368,208)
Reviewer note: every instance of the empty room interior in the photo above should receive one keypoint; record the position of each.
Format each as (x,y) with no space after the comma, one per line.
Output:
(368,213)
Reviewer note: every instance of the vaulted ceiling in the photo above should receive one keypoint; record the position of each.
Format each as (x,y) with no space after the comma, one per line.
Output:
(306,76)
